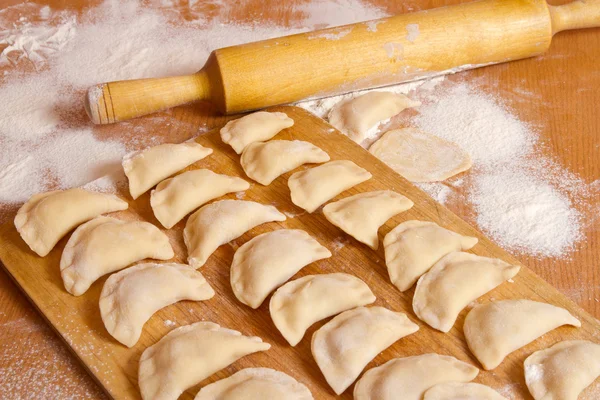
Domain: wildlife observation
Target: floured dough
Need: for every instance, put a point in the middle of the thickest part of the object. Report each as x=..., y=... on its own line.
x=255, y=127
x=104, y=245
x=188, y=355
x=46, y=217
x=146, y=168
x=315, y=186
x=298, y=304
x=176, y=197
x=411, y=377
x=346, y=344
x=562, y=371
x=419, y=156
x=455, y=281
x=494, y=330
x=265, y=161
x=414, y=246
x=220, y=222
x=462, y=391
x=355, y=117
x=267, y=261
x=256, y=384
x=361, y=215
x=130, y=297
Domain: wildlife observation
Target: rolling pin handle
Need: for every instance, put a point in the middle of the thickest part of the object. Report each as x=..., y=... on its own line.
x=576, y=15
x=118, y=101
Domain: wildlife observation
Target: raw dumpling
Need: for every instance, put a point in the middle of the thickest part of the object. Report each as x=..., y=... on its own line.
x=411, y=376
x=563, y=371
x=104, y=245
x=355, y=117
x=267, y=261
x=130, y=297
x=494, y=330
x=146, y=168
x=313, y=187
x=298, y=304
x=264, y=162
x=188, y=355
x=47, y=217
x=361, y=215
x=462, y=391
x=419, y=156
x=220, y=222
x=176, y=197
x=413, y=247
x=255, y=127
x=346, y=344
x=255, y=384
x=454, y=282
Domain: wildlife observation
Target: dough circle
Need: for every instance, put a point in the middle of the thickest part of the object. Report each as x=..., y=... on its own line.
x=419, y=156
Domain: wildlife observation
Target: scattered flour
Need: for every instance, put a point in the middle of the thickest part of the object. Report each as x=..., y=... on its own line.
x=438, y=191
x=169, y=323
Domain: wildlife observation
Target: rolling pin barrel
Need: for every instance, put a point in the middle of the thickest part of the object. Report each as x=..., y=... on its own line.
x=364, y=55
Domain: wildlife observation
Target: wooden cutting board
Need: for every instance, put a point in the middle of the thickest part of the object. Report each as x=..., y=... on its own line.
x=77, y=319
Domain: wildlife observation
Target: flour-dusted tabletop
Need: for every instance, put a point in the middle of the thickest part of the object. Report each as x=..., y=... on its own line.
x=51, y=51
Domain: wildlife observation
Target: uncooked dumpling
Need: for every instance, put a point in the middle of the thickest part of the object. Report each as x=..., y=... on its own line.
x=265, y=161
x=46, y=217
x=256, y=384
x=413, y=247
x=494, y=330
x=462, y=391
x=176, y=197
x=255, y=127
x=130, y=297
x=104, y=245
x=346, y=344
x=146, y=168
x=455, y=281
x=188, y=355
x=220, y=222
x=563, y=371
x=419, y=156
x=313, y=187
x=361, y=215
x=355, y=117
x=298, y=304
x=267, y=261
x=411, y=377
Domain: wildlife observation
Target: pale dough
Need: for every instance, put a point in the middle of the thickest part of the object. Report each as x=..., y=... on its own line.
x=255, y=127
x=298, y=304
x=176, y=197
x=256, y=384
x=46, y=217
x=265, y=161
x=356, y=116
x=494, y=330
x=267, y=261
x=104, y=245
x=419, y=156
x=462, y=391
x=562, y=371
x=146, y=168
x=455, y=281
x=411, y=376
x=130, y=297
x=414, y=246
x=187, y=355
x=346, y=344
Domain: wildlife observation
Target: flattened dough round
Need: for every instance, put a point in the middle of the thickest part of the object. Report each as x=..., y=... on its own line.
x=419, y=156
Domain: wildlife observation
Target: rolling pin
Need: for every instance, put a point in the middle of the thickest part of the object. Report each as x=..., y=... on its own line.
x=343, y=59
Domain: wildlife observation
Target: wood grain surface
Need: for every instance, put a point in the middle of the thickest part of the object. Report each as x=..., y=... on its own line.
x=556, y=93
x=115, y=367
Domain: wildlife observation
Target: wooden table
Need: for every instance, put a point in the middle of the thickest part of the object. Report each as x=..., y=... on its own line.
x=557, y=92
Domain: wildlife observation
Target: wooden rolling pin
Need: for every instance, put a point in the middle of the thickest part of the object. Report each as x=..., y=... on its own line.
x=347, y=58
